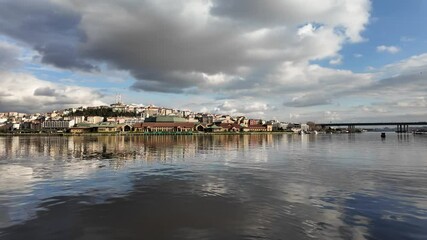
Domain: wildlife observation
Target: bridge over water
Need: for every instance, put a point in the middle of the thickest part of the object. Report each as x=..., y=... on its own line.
x=400, y=126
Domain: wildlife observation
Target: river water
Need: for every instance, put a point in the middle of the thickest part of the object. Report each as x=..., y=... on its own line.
x=347, y=186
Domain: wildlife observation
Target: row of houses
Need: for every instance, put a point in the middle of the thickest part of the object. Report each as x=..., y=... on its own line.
x=148, y=127
x=151, y=119
x=152, y=124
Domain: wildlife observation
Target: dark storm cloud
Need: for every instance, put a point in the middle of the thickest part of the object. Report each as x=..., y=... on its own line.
x=171, y=46
x=8, y=56
x=45, y=91
x=50, y=29
x=253, y=11
x=309, y=101
x=64, y=56
x=171, y=82
x=168, y=45
x=392, y=87
x=164, y=51
x=411, y=81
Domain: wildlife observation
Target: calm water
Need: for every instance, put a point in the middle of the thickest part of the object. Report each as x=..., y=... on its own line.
x=214, y=187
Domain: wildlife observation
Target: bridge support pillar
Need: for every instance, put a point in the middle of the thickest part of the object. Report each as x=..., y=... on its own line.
x=351, y=128
x=402, y=128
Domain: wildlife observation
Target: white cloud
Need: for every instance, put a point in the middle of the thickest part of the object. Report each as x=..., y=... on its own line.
x=247, y=108
x=407, y=39
x=332, y=116
x=388, y=49
x=336, y=61
x=306, y=30
x=413, y=65
x=186, y=46
x=25, y=93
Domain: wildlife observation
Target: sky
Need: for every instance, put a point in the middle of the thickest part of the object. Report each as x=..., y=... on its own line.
x=290, y=60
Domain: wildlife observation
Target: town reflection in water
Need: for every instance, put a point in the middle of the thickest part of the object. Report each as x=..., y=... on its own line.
x=147, y=148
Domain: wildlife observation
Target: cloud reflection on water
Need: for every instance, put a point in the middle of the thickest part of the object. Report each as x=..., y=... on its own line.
x=248, y=186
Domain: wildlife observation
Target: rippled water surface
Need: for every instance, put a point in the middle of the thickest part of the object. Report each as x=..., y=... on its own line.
x=214, y=187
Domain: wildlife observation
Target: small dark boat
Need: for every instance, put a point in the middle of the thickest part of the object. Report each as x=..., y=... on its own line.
x=382, y=135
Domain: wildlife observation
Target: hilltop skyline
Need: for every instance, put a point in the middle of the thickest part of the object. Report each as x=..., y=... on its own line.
x=346, y=60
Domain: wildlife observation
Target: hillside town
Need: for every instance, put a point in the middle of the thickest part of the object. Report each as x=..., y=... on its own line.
x=121, y=118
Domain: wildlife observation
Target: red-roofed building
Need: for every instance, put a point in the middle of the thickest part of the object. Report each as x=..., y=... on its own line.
x=254, y=122
x=231, y=127
x=258, y=128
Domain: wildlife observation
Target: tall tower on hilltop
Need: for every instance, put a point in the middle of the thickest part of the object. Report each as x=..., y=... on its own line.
x=118, y=106
x=119, y=99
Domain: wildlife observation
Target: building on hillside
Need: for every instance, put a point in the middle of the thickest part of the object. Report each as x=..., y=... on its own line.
x=183, y=113
x=224, y=119
x=242, y=120
x=53, y=114
x=191, y=119
x=130, y=108
x=207, y=119
x=118, y=107
x=13, y=114
x=94, y=119
x=78, y=119
x=166, y=111
x=151, y=111
x=254, y=122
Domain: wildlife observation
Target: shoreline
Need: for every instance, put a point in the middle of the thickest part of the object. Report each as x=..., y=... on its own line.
x=142, y=134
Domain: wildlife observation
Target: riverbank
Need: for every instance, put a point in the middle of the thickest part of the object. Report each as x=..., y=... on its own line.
x=144, y=133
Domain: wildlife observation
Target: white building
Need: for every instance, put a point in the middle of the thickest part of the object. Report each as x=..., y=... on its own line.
x=58, y=124
x=305, y=127
x=95, y=119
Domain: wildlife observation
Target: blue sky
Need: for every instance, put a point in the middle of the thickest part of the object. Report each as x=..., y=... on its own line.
x=393, y=23
x=345, y=60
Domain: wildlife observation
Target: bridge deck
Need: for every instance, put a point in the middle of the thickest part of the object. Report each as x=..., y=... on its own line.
x=373, y=124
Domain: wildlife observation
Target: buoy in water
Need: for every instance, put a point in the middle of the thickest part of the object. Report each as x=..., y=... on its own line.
x=382, y=135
